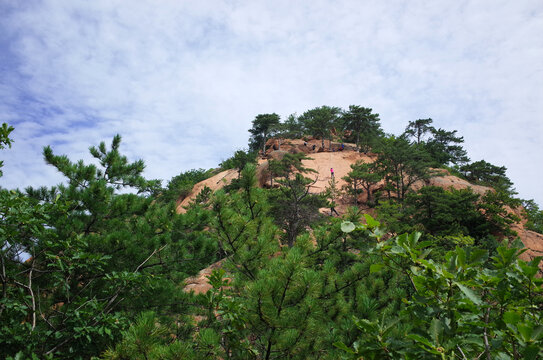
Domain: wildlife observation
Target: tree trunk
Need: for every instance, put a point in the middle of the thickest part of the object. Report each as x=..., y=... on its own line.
x=291, y=235
x=357, y=140
x=355, y=194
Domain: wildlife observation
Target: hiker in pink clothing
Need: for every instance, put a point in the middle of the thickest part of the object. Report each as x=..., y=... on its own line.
x=332, y=172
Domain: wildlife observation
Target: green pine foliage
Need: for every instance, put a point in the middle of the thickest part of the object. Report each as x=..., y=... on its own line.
x=363, y=127
x=81, y=260
x=403, y=164
x=293, y=206
x=264, y=125
x=484, y=173
x=362, y=177
x=320, y=121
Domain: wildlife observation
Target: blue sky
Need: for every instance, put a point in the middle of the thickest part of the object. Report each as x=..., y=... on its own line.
x=181, y=81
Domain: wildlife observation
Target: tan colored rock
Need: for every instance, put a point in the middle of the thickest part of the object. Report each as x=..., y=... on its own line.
x=215, y=183
x=277, y=155
x=532, y=241
x=450, y=181
x=200, y=283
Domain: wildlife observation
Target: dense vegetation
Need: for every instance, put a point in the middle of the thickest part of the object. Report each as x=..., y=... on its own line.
x=95, y=267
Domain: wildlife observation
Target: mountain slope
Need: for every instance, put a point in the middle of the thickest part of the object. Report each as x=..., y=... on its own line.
x=340, y=161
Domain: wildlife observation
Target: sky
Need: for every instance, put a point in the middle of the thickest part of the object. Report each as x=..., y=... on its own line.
x=181, y=81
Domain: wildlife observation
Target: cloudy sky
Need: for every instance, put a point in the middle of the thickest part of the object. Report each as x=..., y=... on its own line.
x=181, y=81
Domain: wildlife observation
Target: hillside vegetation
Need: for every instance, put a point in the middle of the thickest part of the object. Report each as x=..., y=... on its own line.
x=325, y=239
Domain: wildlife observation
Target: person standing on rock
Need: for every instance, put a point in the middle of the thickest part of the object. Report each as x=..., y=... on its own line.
x=332, y=173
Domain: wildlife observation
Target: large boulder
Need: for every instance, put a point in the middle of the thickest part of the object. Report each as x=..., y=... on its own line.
x=277, y=155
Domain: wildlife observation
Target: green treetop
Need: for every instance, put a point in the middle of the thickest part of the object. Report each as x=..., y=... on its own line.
x=444, y=147
x=363, y=124
x=403, y=164
x=263, y=126
x=363, y=176
x=418, y=128
x=320, y=121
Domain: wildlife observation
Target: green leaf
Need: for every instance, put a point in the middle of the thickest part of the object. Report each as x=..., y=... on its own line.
x=461, y=257
x=343, y=347
x=370, y=221
x=421, y=340
x=469, y=293
x=527, y=270
x=511, y=317
x=366, y=325
x=436, y=329
x=538, y=332
x=414, y=238
x=525, y=331
x=376, y=268
x=347, y=227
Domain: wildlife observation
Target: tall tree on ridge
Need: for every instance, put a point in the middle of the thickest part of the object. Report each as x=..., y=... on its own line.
x=320, y=120
x=363, y=124
x=263, y=126
x=418, y=128
x=444, y=147
x=363, y=175
x=403, y=164
x=291, y=127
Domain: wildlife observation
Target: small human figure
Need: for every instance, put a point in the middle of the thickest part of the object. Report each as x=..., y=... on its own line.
x=342, y=146
x=314, y=146
x=332, y=172
x=305, y=143
x=333, y=210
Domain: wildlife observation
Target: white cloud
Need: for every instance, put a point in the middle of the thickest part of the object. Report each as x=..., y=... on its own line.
x=181, y=81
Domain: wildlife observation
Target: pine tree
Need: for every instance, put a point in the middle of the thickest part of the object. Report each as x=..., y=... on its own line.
x=418, y=128
x=320, y=121
x=263, y=126
x=363, y=124
x=403, y=165
x=293, y=206
x=444, y=147
x=96, y=257
x=362, y=176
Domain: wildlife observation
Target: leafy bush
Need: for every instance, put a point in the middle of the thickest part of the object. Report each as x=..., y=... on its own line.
x=464, y=307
